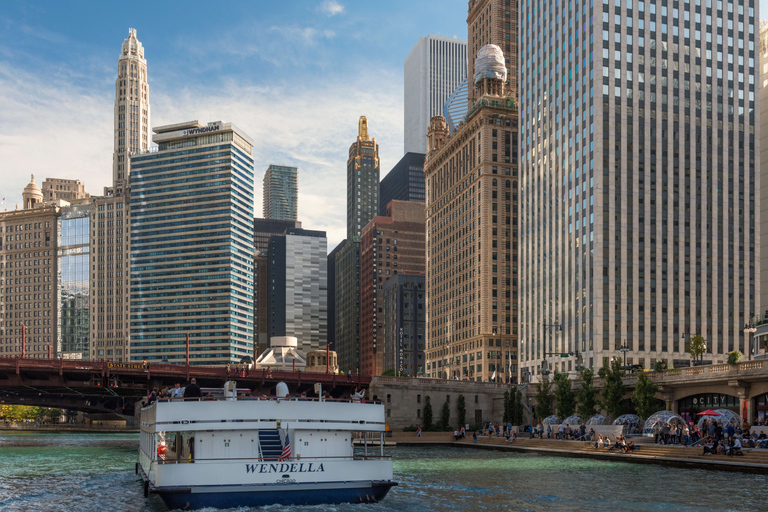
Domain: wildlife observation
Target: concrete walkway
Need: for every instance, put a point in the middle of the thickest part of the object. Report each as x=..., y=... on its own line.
x=754, y=460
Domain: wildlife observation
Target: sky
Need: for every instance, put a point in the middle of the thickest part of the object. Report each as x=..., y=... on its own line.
x=295, y=76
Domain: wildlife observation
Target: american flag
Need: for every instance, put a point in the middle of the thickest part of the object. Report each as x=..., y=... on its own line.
x=286, y=450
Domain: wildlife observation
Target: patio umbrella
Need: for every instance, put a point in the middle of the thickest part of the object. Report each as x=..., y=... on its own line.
x=708, y=412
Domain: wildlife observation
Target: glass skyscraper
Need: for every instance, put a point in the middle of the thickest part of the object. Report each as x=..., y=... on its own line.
x=281, y=193
x=73, y=282
x=637, y=170
x=192, y=245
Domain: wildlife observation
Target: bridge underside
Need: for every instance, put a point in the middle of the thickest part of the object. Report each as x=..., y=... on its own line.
x=98, y=386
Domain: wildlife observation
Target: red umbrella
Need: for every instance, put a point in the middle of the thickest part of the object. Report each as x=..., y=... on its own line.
x=708, y=412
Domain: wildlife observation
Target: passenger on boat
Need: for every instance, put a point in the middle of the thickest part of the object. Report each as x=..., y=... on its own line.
x=192, y=390
x=177, y=391
x=358, y=395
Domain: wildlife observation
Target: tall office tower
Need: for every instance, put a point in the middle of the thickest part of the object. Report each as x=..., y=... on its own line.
x=298, y=287
x=403, y=334
x=347, y=304
x=281, y=192
x=405, y=182
x=493, y=22
x=29, y=263
x=759, y=341
x=331, y=266
x=472, y=234
x=456, y=106
x=192, y=245
x=110, y=279
x=433, y=69
x=389, y=245
x=73, y=300
x=131, y=109
x=263, y=230
x=68, y=190
x=362, y=180
x=638, y=180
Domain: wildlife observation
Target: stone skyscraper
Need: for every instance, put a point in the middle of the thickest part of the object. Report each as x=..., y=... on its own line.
x=638, y=180
x=433, y=69
x=131, y=108
x=493, y=22
x=362, y=181
x=281, y=193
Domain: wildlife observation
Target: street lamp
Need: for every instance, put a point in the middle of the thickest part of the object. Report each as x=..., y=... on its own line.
x=750, y=329
x=624, y=349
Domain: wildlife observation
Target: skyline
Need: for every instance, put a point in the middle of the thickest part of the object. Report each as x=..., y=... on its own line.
x=295, y=80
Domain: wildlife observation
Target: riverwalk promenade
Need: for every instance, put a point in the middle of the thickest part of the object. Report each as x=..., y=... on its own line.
x=754, y=460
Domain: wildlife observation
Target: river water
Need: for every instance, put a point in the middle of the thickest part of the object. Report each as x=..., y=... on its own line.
x=95, y=472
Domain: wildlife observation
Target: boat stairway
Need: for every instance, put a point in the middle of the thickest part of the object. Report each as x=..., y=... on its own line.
x=271, y=446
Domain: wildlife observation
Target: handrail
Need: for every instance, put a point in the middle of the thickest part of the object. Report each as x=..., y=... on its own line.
x=269, y=461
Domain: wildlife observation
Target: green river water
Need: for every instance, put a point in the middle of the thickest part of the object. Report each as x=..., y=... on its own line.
x=95, y=472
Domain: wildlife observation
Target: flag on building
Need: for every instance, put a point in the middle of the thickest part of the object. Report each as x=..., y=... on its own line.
x=286, y=450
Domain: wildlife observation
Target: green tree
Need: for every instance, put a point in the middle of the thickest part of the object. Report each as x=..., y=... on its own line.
x=644, y=396
x=427, y=413
x=518, y=416
x=587, y=396
x=507, y=404
x=696, y=346
x=613, y=390
x=462, y=407
x=544, y=398
x=445, y=416
x=388, y=373
x=566, y=400
x=734, y=356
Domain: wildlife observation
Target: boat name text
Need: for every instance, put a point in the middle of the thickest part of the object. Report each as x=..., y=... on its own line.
x=294, y=467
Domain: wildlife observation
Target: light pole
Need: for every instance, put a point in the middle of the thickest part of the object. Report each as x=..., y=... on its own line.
x=624, y=349
x=750, y=329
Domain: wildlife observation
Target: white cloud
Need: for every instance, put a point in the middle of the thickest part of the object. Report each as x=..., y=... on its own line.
x=331, y=7
x=51, y=129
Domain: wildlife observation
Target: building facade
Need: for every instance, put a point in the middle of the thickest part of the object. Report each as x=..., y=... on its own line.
x=389, y=246
x=347, y=304
x=110, y=278
x=73, y=298
x=472, y=236
x=362, y=181
x=28, y=281
x=68, y=190
x=433, y=69
x=638, y=162
x=763, y=171
x=192, y=245
x=405, y=182
x=281, y=193
x=131, y=123
x=493, y=22
x=403, y=333
x=298, y=287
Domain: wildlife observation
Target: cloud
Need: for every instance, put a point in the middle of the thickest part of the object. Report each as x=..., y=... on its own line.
x=52, y=129
x=331, y=8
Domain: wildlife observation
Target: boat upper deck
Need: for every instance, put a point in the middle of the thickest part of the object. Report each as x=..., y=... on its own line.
x=257, y=413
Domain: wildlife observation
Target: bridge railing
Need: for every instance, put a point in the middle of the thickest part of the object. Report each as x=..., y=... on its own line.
x=699, y=372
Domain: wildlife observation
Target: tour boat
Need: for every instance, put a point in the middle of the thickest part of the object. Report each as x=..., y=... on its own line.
x=231, y=451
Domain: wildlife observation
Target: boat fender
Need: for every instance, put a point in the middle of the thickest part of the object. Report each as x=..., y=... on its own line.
x=187, y=506
x=137, y=468
x=146, y=488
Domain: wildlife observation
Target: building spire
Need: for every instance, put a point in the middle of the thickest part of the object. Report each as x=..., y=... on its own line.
x=362, y=128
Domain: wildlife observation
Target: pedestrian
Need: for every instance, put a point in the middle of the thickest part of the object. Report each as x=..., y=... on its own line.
x=193, y=390
x=418, y=431
x=474, y=436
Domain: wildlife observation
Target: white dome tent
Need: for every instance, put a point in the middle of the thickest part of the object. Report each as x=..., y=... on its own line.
x=631, y=422
x=726, y=416
x=572, y=420
x=551, y=420
x=659, y=420
x=597, y=419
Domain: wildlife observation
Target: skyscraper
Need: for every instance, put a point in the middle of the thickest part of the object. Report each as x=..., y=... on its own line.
x=638, y=161
x=131, y=122
x=298, y=287
x=493, y=22
x=281, y=191
x=433, y=69
x=192, y=245
x=763, y=172
x=405, y=182
x=362, y=181
x=346, y=304
x=389, y=245
x=472, y=271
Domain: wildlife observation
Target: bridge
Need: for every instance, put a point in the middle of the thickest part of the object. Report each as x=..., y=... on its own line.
x=103, y=386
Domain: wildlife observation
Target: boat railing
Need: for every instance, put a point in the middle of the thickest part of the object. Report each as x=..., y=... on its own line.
x=266, y=399
x=162, y=459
